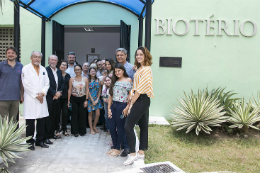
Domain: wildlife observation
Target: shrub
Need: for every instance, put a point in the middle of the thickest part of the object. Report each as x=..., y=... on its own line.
x=198, y=112
x=11, y=141
x=224, y=98
x=244, y=115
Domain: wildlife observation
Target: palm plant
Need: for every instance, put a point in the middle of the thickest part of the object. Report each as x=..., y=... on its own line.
x=244, y=115
x=11, y=141
x=198, y=112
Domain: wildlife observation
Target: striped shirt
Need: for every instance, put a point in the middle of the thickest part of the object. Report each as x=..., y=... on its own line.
x=143, y=81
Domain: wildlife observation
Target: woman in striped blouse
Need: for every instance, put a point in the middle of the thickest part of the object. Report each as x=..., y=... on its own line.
x=139, y=106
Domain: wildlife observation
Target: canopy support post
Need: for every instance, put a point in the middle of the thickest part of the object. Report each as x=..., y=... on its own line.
x=148, y=5
x=17, y=28
x=43, y=41
x=140, y=35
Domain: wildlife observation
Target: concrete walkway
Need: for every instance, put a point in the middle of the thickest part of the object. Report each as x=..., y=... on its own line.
x=70, y=154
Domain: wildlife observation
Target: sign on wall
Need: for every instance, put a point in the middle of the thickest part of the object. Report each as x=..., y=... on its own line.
x=211, y=30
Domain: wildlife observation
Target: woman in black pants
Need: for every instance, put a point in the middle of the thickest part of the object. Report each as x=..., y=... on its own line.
x=78, y=95
x=64, y=97
x=139, y=106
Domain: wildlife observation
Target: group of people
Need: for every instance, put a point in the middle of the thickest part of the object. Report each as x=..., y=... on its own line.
x=66, y=89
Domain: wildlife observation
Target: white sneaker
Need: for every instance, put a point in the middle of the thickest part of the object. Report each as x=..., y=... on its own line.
x=130, y=160
x=140, y=156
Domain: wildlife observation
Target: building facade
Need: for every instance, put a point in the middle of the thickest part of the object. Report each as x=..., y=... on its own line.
x=217, y=41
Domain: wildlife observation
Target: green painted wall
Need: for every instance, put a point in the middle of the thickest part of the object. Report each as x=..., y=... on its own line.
x=208, y=61
x=30, y=29
x=94, y=14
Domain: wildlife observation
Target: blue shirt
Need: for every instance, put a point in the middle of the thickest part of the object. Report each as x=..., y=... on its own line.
x=129, y=70
x=10, y=81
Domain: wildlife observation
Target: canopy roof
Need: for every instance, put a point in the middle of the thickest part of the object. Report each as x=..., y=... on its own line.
x=48, y=8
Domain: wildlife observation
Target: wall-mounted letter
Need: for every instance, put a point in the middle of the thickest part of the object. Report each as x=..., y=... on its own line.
x=242, y=29
x=222, y=28
x=186, y=26
x=196, y=25
x=158, y=26
x=208, y=25
x=236, y=27
x=169, y=27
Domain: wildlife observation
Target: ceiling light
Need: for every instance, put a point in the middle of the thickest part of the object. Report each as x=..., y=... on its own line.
x=88, y=29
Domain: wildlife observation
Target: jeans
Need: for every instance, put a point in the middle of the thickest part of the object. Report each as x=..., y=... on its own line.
x=125, y=142
x=116, y=124
x=138, y=115
x=106, y=115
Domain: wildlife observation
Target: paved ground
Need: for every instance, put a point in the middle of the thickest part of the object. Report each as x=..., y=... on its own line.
x=70, y=154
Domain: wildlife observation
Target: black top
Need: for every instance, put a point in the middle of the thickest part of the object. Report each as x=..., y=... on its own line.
x=66, y=87
x=52, y=90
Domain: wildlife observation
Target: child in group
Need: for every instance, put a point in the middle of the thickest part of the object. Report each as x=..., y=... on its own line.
x=103, y=77
x=105, y=95
x=94, y=104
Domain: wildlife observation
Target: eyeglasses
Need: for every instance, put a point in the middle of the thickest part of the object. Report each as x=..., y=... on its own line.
x=77, y=70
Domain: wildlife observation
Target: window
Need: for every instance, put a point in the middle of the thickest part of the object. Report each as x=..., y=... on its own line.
x=6, y=40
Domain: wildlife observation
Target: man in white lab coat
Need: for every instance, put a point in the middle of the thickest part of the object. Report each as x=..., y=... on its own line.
x=36, y=84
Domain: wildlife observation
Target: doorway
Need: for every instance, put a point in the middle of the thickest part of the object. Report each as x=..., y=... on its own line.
x=90, y=41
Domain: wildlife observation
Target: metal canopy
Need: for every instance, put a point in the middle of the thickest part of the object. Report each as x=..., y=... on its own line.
x=48, y=8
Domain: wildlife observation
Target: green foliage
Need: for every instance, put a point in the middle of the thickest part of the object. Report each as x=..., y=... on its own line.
x=4, y=170
x=224, y=98
x=256, y=100
x=244, y=115
x=198, y=112
x=11, y=141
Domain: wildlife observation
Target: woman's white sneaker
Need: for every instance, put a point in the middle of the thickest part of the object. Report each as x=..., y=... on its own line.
x=130, y=160
x=140, y=156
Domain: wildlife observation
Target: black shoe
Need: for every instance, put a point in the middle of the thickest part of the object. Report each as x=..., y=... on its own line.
x=31, y=147
x=41, y=144
x=125, y=153
x=55, y=137
x=47, y=141
x=82, y=134
x=76, y=135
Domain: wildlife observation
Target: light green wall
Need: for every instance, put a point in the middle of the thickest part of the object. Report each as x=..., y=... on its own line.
x=30, y=29
x=94, y=14
x=207, y=61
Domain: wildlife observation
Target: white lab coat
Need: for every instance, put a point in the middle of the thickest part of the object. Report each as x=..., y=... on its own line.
x=34, y=84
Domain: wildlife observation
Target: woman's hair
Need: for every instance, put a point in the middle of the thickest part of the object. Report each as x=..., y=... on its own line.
x=147, y=57
x=89, y=76
x=59, y=64
x=115, y=78
x=78, y=65
x=112, y=63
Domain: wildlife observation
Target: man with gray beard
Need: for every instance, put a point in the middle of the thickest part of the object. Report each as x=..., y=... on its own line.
x=53, y=100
